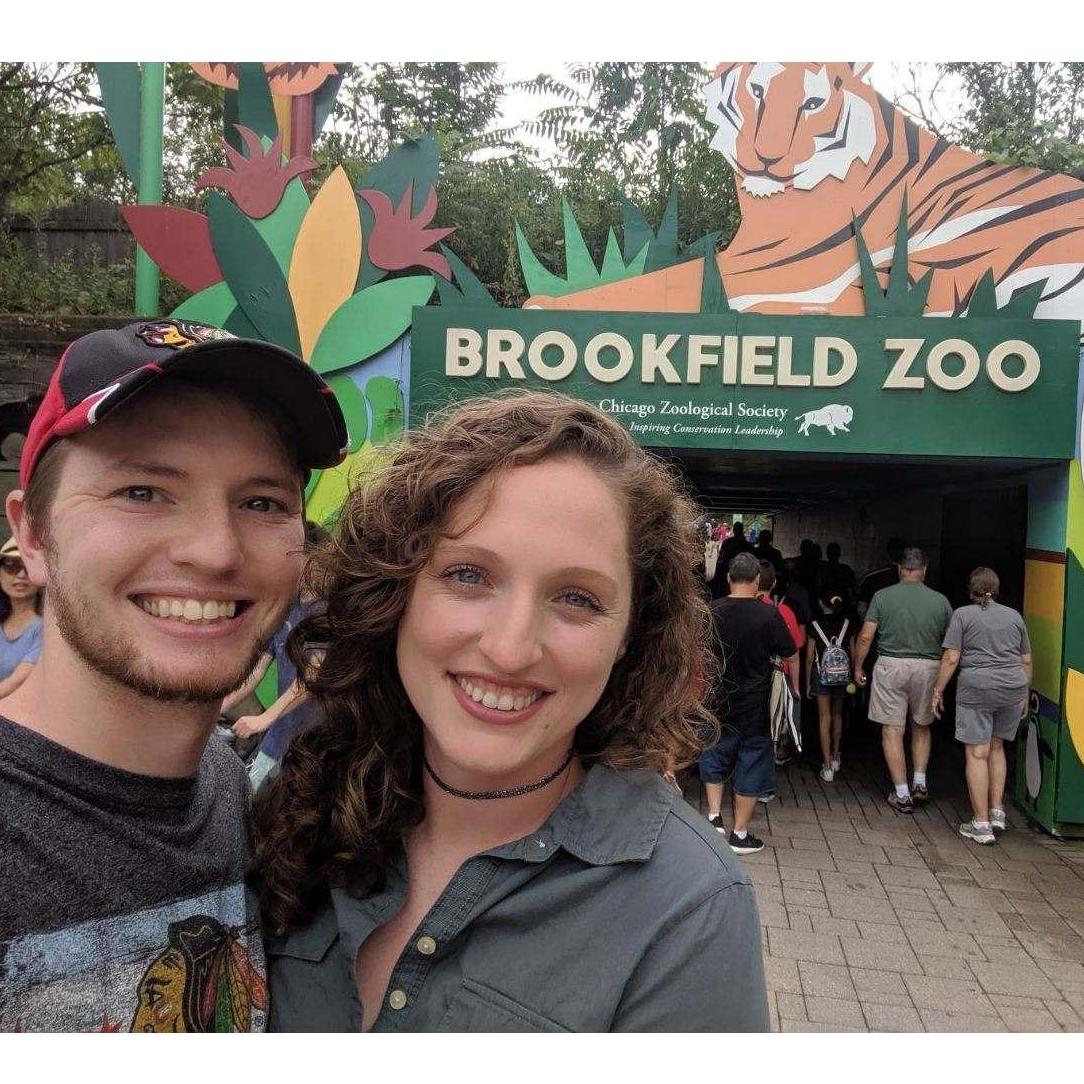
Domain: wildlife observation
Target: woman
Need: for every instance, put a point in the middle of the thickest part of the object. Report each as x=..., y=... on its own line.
x=478, y=836
x=20, y=618
x=989, y=642
x=828, y=672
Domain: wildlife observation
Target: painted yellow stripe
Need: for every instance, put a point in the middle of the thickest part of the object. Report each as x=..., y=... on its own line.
x=1045, y=639
x=1044, y=590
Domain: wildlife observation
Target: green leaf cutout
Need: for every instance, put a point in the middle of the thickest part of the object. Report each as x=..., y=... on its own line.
x=664, y=245
x=240, y=325
x=369, y=321
x=899, y=298
x=352, y=403
x=253, y=273
x=1021, y=305
x=386, y=402
x=471, y=291
x=413, y=160
x=212, y=306
x=713, y=297
x=122, y=90
x=254, y=106
x=231, y=117
x=279, y=229
x=580, y=270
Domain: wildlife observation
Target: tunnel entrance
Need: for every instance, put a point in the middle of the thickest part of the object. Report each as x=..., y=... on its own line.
x=962, y=512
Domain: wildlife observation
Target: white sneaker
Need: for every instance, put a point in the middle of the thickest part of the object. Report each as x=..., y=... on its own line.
x=997, y=820
x=835, y=764
x=828, y=774
x=969, y=830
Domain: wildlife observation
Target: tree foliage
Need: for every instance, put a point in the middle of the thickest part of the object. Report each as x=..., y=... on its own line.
x=1028, y=113
x=633, y=129
x=51, y=135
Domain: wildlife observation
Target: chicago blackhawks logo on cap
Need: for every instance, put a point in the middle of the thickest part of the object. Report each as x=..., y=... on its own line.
x=179, y=333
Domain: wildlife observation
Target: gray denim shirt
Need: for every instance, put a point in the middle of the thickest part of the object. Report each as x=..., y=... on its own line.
x=625, y=911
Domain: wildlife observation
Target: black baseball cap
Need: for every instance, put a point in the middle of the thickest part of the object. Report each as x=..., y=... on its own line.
x=104, y=369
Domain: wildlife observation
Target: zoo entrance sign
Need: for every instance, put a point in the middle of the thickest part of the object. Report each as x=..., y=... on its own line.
x=873, y=385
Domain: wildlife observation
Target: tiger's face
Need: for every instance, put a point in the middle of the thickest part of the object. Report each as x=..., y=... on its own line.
x=790, y=125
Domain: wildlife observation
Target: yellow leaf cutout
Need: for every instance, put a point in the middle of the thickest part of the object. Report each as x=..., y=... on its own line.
x=327, y=254
x=1074, y=710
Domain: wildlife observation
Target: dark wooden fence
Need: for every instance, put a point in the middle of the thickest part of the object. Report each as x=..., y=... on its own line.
x=82, y=232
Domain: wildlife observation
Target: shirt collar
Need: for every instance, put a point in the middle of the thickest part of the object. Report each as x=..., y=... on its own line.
x=612, y=816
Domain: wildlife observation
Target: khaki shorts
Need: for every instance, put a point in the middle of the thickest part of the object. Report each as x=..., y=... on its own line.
x=901, y=687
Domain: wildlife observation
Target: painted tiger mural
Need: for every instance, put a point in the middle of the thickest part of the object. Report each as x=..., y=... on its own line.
x=815, y=148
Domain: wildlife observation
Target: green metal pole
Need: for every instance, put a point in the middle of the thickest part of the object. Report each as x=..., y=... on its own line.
x=152, y=108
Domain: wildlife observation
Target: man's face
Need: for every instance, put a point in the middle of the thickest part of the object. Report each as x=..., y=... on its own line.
x=173, y=546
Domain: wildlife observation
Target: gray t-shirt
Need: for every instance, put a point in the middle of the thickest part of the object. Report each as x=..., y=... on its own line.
x=625, y=911
x=990, y=642
x=122, y=897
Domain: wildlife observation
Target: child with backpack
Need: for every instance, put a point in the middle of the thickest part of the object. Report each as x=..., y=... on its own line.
x=828, y=672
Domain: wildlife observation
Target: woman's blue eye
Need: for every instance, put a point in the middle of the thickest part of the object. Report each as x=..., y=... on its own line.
x=580, y=601
x=466, y=575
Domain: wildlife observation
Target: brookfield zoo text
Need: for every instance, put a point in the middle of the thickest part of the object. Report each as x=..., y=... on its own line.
x=733, y=360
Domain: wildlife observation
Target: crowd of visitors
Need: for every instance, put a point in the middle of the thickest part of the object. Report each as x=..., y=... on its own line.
x=881, y=649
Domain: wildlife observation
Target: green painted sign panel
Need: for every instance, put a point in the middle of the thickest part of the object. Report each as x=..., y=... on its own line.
x=873, y=385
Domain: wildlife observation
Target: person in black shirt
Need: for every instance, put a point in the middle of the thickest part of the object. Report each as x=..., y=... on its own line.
x=748, y=635
x=765, y=551
x=838, y=577
x=735, y=544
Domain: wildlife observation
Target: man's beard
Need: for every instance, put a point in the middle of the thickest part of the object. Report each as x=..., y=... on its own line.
x=120, y=660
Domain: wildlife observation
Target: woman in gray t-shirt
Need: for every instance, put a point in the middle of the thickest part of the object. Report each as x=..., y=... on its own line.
x=989, y=642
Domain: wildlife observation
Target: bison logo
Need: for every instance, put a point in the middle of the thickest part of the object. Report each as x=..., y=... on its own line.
x=835, y=416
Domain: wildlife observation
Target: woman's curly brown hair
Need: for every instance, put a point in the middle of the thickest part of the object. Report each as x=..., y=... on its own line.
x=350, y=788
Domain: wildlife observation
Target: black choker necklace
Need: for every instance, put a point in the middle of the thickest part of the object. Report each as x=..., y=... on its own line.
x=489, y=795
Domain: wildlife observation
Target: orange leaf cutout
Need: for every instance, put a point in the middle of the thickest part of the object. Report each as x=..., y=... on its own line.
x=327, y=254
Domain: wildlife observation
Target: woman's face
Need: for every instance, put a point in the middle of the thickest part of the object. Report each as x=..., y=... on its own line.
x=512, y=629
x=14, y=581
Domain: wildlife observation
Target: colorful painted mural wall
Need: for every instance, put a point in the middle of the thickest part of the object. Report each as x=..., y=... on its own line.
x=848, y=208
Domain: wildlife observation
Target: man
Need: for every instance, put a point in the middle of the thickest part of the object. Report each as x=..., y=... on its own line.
x=161, y=509
x=747, y=635
x=885, y=576
x=765, y=551
x=735, y=544
x=909, y=620
x=836, y=576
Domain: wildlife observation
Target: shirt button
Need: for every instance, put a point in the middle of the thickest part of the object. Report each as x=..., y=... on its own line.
x=426, y=946
x=397, y=999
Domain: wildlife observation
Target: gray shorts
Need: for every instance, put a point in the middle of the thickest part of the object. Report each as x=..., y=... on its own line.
x=901, y=687
x=976, y=725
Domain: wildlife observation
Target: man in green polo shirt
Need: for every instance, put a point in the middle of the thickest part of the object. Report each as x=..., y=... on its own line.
x=910, y=621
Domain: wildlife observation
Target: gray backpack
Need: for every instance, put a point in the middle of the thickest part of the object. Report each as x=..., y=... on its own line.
x=833, y=663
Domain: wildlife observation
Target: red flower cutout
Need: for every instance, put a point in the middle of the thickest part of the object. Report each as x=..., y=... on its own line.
x=257, y=181
x=398, y=241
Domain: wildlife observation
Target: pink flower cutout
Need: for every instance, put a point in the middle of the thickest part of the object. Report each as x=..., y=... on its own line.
x=397, y=240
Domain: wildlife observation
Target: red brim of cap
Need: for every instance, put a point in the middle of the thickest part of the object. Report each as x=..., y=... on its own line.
x=261, y=369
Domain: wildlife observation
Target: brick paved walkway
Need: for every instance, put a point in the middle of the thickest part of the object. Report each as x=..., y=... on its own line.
x=873, y=921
